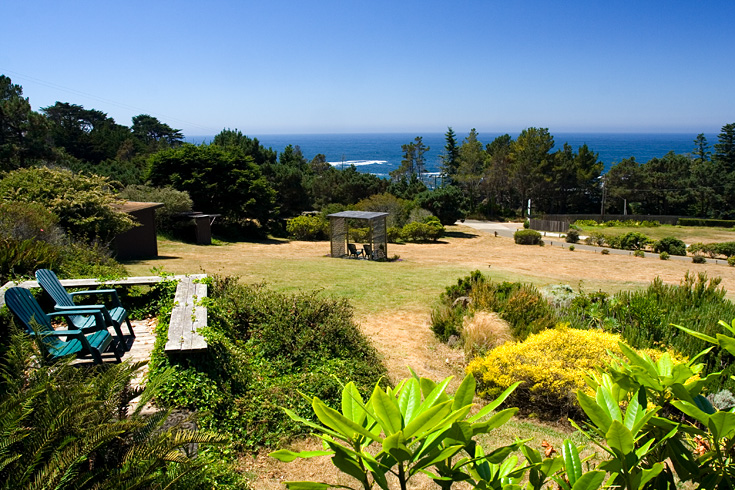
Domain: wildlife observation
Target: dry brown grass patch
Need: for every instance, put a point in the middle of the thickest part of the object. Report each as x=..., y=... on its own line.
x=482, y=332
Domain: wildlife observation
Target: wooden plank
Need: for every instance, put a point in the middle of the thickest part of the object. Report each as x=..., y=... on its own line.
x=200, y=318
x=179, y=316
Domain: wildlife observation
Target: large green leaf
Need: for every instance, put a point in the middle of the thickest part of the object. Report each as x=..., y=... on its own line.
x=287, y=456
x=635, y=411
x=311, y=424
x=619, y=437
x=692, y=411
x=349, y=465
x=409, y=400
x=650, y=473
x=465, y=393
x=609, y=403
x=595, y=412
x=436, y=395
x=386, y=411
x=696, y=334
x=590, y=481
x=494, y=422
x=495, y=403
x=460, y=432
x=395, y=445
x=428, y=419
x=572, y=463
x=727, y=343
x=722, y=424
x=332, y=418
x=352, y=404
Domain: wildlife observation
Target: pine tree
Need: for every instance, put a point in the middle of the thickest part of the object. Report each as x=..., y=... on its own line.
x=450, y=156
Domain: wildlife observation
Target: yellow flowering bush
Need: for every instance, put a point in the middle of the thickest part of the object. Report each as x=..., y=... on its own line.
x=551, y=364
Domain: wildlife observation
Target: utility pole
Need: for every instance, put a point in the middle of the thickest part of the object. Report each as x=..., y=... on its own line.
x=602, y=207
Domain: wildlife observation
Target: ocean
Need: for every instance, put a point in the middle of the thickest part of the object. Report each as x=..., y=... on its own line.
x=379, y=153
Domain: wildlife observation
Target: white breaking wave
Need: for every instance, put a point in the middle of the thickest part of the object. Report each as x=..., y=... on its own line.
x=358, y=163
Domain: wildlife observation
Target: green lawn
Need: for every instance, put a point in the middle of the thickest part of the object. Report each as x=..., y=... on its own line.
x=371, y=287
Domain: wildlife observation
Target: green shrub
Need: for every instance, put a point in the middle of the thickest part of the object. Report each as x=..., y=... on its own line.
x=447, y=203
x=398, y=209
x=446, y=321
x=19, y=258
x=585, y=222
x=394, y=234
x=429, y=230
x=699, y=259
x=633, y=240
x=596, y=239
x=650, y=224
x=670, y=245
x=526, y=224
x=527, y=237
x=725, y=223
x=663, y=256
x=644, y=318
x=359, y=235
x=639, y=253
x=725, y=248
x=83, y=204
x=550, y=365
x=731, y=261
x=308, y=228
x=572, y=236
x=174, y=202
x=31, y=240
x=605, y=251
x=26, y=221
x=265, y=350
x=571, y=248
x=521, y=305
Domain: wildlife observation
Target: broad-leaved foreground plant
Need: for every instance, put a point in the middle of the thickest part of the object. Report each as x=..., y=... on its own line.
x=418, y=427
x=650, y=418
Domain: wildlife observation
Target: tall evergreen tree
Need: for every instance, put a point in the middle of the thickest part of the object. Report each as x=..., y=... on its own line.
x=530, y=156
x=450, y=156
x=471, y=165
x=725, y=148
x=701, y=148
x=23, y=133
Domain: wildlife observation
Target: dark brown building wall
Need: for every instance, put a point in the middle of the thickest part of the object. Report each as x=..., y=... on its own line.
x=140, y=242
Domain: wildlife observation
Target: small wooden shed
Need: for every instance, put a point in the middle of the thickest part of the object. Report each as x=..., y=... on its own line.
x=139, y=242
x=339, y=230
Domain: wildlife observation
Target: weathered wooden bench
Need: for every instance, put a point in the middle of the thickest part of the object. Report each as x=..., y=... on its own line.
x=187, y=316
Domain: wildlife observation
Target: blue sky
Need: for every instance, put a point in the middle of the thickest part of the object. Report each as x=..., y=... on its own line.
x=381, y=66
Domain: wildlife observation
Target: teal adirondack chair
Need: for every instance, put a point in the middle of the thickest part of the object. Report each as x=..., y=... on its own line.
x=65, y=301
x=28, y=312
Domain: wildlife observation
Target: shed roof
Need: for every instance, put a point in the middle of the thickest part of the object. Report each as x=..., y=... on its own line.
x=357, y=214
x=132, y=206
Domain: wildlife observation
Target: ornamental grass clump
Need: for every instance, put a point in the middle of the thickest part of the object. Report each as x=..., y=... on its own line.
x=551, y=366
